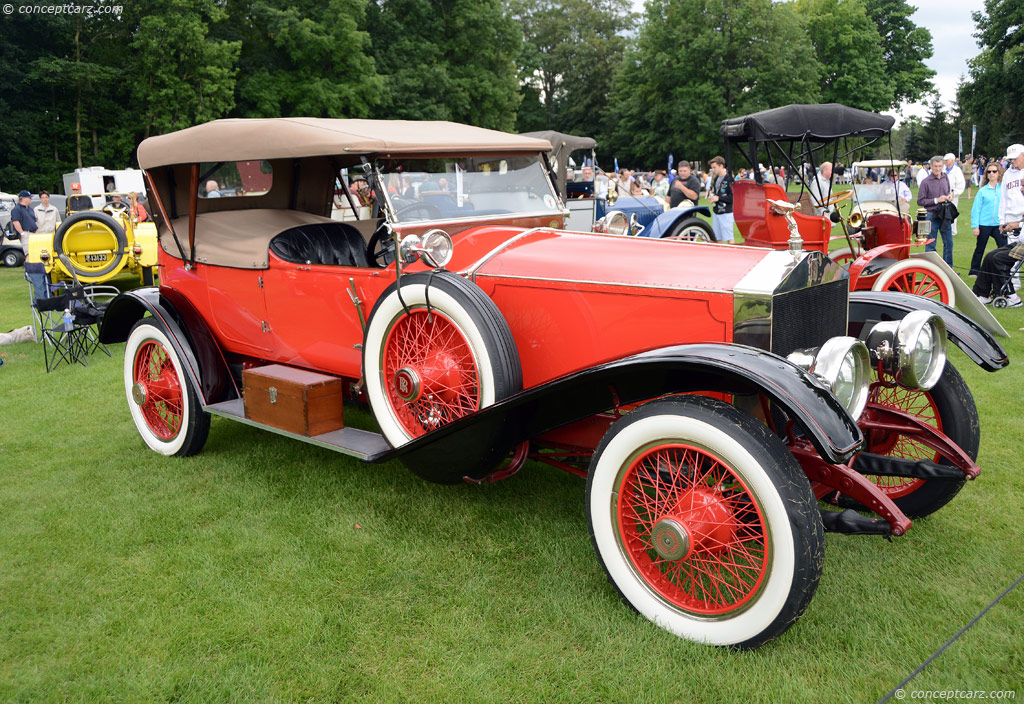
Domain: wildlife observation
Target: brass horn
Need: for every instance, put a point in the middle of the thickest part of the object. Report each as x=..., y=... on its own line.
x=856, y=220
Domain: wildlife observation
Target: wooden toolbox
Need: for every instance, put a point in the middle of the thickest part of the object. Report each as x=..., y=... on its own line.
x=292, y=399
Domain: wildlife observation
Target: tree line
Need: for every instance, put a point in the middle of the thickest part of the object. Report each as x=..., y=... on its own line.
x=83, y=89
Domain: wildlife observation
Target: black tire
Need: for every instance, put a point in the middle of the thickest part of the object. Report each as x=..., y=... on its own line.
x=957, y=418
x=13, y=257
x=691, y=229
x=481, y=367
x=688, y=492
x=106, y=221
x=164, y=431
x=148, y=275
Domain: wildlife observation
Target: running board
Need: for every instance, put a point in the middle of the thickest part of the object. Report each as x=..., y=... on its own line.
x=361, y=444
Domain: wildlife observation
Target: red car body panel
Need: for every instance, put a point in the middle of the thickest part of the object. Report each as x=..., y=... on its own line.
x=564, y=318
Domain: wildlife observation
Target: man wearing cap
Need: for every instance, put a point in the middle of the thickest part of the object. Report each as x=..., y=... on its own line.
x=957, y=183
x=23, y=218
x=76, y=201
x=47, y=217
x=995, y=267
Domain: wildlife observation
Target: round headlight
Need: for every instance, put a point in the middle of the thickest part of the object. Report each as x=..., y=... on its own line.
x=434, y=248
x=844, y=364
x=617, y=223
x=921, y=341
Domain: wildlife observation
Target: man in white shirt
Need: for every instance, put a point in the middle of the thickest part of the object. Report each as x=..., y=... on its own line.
x=821, y=187
x=957, y=184
x=47, y=216
x=922, y=173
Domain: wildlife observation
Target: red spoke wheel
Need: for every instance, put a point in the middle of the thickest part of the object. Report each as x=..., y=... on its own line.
x=692, y=528
x=433, y=373
x=166, y=409
x=948, y=407
x=435, y=354
x=844, y=255
x=917, y=277
x=704, y=522
x=158, y=391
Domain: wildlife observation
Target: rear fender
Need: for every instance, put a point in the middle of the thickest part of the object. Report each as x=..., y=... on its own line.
x=699, y=367
x=187, y=331
x=969, y=336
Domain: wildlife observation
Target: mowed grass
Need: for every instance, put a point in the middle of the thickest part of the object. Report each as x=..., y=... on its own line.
x=268, y=570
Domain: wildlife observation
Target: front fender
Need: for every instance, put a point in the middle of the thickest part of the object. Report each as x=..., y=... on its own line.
x=975, y=341
x=698, y=367
x=667, y=220
x=189, y=334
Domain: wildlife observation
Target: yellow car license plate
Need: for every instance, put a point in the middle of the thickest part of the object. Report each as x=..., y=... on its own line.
x=95, y=257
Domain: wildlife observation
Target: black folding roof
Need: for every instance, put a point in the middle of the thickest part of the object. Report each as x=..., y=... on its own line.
x=797, y=122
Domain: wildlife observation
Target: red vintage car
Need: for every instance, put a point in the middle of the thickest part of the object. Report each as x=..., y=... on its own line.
x=878, y=233
x=710, y=395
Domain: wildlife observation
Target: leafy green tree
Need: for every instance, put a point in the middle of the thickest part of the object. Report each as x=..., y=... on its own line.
x=938, y=133
x=303, y=58
x=570, y=51
x=850, y=51
x=683, y=77
x=182, y=76
x=446, y=60
x=913, y=148
x=993, y=98
x=905, y=46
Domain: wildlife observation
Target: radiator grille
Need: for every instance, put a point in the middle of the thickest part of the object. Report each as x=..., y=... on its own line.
x=810, y=316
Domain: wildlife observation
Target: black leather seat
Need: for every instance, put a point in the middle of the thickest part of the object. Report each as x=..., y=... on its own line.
x=332, y=244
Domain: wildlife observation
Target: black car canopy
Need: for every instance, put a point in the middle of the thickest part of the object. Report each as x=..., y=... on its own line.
x=806, y=122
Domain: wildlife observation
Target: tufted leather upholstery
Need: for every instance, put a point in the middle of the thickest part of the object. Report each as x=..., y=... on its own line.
x=333, y=244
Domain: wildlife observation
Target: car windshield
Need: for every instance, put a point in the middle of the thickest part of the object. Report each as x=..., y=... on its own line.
x=885, y=192
x=450, y=188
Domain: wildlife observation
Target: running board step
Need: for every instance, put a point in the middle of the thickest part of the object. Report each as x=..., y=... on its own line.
x=849, y=522
x=362, y=444
x=886, y=466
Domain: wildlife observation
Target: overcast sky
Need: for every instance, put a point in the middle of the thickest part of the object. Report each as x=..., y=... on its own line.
x=952, y=28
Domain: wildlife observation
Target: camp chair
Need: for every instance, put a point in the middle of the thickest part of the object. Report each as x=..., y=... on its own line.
x=63, y=340
x=88, y=304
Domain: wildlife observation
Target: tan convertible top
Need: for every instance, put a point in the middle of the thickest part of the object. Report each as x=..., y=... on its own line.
x=292, y=137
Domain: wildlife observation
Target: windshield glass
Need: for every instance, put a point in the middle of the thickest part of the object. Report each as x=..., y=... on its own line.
x=877, y=191
x=451, y=188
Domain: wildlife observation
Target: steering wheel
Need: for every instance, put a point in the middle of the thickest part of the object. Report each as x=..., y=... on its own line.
x=837, y=198
x=380, y=250
x=431, y=211
x=118, y=208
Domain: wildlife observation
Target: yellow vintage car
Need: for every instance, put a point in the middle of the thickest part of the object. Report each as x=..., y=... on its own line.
x=99, y=244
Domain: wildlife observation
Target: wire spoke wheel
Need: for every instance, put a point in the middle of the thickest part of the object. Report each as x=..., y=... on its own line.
x=704, y=522
x=912, y=402
x=431, y=373
x=163, y=404
x=693, y=529
x=949, y=408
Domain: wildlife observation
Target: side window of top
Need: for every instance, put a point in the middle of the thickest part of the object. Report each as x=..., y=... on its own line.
x=235, y=178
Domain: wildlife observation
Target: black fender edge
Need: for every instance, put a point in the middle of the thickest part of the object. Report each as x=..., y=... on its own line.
x=188, y=332
x=976, y=342
x=727, y=368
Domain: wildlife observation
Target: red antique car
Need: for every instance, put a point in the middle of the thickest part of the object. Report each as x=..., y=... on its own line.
x=877, y=230
x=709, y=395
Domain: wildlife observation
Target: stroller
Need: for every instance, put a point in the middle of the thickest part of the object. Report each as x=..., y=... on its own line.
x=1011, y=282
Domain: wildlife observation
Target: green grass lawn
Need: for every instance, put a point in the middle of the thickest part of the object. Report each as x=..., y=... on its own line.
x=268, y=570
